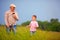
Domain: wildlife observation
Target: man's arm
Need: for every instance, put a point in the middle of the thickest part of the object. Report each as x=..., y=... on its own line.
x=6, y=19
x=16, y=16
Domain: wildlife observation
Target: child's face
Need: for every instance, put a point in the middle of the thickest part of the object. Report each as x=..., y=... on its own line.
x=33, y=18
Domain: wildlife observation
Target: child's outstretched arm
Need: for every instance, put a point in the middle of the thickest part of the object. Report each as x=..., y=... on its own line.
x=28, y=25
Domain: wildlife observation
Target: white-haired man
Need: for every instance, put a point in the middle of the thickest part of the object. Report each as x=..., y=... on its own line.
x=10, y=18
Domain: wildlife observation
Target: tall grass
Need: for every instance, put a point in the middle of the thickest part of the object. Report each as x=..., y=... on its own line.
x=23, y=33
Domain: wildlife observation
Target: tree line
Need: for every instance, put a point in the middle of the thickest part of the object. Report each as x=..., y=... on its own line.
x=53, y=25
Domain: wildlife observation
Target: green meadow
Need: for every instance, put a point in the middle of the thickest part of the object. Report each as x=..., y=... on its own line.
x=23, y=33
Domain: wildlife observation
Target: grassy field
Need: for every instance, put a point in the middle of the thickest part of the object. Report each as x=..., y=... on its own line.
x=24, y=34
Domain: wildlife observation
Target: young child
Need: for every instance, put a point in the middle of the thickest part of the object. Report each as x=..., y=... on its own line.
x=33, y=25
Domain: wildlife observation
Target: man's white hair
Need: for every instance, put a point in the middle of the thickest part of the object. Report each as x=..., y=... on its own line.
x=12, y=5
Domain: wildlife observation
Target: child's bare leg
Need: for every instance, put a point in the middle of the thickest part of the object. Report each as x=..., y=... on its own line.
x=32, y=32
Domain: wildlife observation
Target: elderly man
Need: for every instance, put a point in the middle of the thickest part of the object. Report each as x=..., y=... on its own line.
x=10, y=18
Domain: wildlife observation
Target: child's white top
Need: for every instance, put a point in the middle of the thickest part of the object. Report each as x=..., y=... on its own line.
x=33, y=25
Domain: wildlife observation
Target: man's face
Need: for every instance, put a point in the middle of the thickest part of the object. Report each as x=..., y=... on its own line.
x=12, y=8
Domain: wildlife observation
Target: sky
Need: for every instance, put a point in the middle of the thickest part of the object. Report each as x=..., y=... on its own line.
x=43, y=9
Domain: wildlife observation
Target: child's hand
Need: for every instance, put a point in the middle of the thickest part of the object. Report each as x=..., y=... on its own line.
x=27, y=26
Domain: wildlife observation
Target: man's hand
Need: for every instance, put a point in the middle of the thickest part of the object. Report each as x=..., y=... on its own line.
x=15, y=16
x=7, y=25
